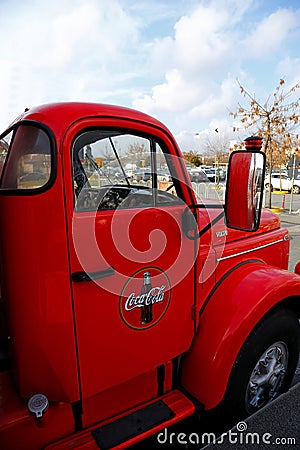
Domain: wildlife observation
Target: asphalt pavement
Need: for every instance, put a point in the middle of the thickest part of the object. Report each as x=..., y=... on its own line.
x=292, y=223
x=275, y=426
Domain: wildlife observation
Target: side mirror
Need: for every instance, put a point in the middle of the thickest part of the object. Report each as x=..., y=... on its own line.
x=244, y=190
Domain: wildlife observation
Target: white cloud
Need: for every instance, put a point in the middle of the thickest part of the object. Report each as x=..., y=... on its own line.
x=289, y=67
x=90, y=30
x=176, y=94
x=202, y=41
x=175, y=59
x=210, y=48
x=218, y=101
x=271, y=33
x=197, y=63
x=65, y=50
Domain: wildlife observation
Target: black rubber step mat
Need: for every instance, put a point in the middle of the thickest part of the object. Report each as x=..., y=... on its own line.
x=130, y=426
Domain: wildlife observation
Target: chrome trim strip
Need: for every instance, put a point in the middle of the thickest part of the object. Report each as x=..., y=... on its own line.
x=251, y=250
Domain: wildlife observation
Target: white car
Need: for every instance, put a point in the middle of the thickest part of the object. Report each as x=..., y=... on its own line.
x=282, y=182
x=214, y=174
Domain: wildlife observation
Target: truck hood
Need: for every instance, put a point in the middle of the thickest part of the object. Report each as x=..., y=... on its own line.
x=218, y=232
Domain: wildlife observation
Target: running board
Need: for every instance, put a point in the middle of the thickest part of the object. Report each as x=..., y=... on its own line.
x=136, y=425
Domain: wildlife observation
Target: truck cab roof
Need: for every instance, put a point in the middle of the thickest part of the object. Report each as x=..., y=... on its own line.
x=59, y=116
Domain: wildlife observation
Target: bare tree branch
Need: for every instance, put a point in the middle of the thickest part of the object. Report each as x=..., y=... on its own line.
x=276, y=121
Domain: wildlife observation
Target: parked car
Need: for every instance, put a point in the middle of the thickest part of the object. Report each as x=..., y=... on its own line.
x=199, y=177
x=215, y=175
x=33, y=180
x=282, y=181
x=141, y=176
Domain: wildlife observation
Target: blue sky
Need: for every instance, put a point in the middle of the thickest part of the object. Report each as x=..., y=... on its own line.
x=175, y=59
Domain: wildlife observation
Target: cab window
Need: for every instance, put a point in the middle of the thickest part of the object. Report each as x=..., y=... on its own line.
x=4, y=147
x=26, y=158
x=117, y=169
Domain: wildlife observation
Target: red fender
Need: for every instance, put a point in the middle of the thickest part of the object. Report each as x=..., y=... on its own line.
x=237, y=303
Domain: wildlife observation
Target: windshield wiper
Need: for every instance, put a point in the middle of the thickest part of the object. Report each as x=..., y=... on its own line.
x=118, y=159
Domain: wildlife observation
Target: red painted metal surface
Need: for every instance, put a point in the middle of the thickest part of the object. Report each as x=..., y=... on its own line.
x=156, y=231
x=120, y=398
x=85, y=342
x=36, y=286
x=230, y=315
x=177, y=402
x=238, y=206
x=19, y=429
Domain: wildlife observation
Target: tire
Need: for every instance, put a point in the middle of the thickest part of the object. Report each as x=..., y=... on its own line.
x=296, y=189
x=267, y=187
x=264, y=367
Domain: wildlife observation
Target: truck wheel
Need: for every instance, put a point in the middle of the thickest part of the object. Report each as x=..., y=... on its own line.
x=265, y=365
x=296, y=189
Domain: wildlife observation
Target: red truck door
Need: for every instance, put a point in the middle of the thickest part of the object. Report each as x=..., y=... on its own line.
x=132, y=267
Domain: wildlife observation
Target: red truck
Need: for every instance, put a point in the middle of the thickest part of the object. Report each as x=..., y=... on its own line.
x=127, y=303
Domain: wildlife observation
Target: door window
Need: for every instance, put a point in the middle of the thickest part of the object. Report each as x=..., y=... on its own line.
x=116, y=169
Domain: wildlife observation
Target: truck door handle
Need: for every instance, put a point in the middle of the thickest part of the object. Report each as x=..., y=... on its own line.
x=90, y=276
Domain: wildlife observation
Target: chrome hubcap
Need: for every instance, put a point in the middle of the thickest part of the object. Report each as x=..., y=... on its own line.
x=267, y=377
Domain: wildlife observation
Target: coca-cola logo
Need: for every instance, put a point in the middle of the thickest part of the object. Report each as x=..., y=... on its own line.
x=155, y=295
x=145, y=298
